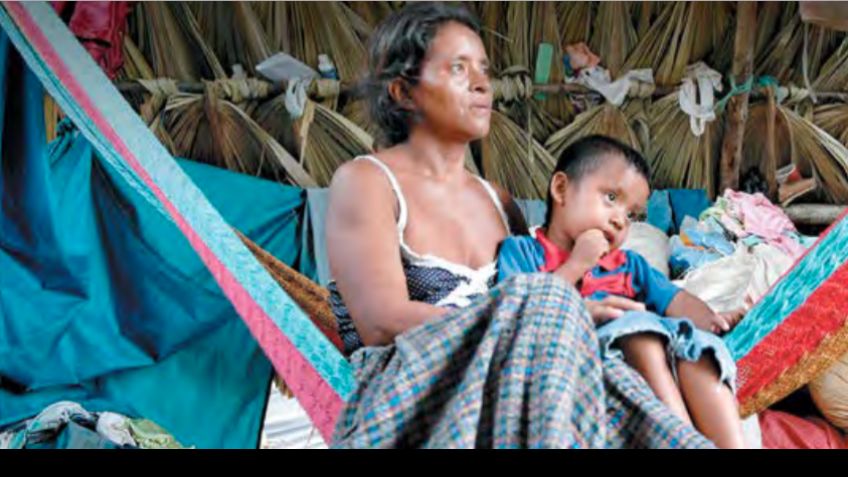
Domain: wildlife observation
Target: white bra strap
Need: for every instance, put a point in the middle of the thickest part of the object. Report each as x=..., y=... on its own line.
x=498, y=205
x=402, y=214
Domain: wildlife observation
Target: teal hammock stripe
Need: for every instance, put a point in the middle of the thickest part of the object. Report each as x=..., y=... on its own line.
x=813, y=269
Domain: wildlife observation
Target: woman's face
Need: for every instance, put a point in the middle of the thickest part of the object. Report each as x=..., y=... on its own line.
x=453, y=97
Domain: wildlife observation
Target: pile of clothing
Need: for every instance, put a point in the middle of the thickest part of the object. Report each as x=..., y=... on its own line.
x=67, y=425
x=728, y=253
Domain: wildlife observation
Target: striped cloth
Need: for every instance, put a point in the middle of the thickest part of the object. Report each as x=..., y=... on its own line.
x=519, y=368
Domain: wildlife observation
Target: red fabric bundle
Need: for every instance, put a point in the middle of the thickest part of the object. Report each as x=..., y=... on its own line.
x=100, y=27
x=782, y=430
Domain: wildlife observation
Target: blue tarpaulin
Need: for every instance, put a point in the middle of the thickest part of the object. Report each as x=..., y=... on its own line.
x=103, y=301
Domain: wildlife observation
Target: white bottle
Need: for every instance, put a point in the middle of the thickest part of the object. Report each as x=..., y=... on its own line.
x=327, y=68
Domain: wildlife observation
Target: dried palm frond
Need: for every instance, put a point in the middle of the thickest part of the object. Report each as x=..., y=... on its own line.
x=357, y=112
x=275, y=19
x=613, y=36
x=513, y=160
x=513, y=97
x=678, y=158
x=360, y=26
x=52, y=115
x=784, y=56
x=827, y=156
x=723, y=40
x=168, y=47
x=323, y=28
x=327, y=140
x=149, y=106
x=833, y=75
x=575, y=21
x=530, y=116
x=645, y=14
x=372, y=13
x=234, y=33
x=766, y=145
x=492, y=16
x=781, y=55
x=208, y=129
x=274, y=118
x=833, y=118
x=135, y=65
x=675, y=40
x=606, y=119
x=769, y=16
x=822, y=44
x=519, y=50
x=544, y=28
x=210, y=66
x=718, y=18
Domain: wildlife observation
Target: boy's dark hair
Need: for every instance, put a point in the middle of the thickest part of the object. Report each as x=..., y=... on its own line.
x=396, y=49
x=585, y=156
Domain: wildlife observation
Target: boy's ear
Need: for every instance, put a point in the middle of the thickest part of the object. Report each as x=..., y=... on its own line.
x=400, y=93
x=559, y=188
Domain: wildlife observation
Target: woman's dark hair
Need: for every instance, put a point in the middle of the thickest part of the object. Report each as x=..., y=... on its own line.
x=397, y=49
x=587, y=155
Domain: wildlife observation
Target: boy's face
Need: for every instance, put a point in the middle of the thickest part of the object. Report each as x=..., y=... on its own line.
x=606, y=199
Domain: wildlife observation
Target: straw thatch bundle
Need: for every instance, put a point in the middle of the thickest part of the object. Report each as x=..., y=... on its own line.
x=202, y=41
x=575, y=21
x=827, y=157
x=512, y=159
x=833, y=75
x=605, y=119
x=678, y=158
x=672, y=44
x=785, y=54
x=614, y=35
x=328, y=139
x=234, y=32
x=833, y=118
x=207, y=128
x=169, y=36
x=372, y=13
x=307, y=29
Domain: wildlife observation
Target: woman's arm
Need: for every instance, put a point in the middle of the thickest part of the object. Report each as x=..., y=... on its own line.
x=364, y=255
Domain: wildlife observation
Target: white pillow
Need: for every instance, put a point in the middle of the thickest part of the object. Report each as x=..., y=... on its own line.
x=651, y=243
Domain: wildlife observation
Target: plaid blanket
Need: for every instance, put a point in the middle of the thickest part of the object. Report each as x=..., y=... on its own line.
x=519, y=368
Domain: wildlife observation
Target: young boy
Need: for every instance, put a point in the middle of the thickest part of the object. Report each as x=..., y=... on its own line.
x=599, y=186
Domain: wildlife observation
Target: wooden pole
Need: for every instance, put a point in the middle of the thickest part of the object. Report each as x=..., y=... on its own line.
x=129, y=86
x=737, y=108
x=771, y=147
x=814, y=214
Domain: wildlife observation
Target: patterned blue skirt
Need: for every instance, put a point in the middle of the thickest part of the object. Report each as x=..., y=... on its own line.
x=519, y=368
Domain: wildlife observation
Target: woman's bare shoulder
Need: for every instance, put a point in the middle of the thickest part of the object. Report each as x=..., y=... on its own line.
x=359, y=186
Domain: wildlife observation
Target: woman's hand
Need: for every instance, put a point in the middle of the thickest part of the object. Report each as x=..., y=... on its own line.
x=611, y=307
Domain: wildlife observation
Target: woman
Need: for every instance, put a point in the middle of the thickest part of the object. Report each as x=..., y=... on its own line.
x=441, y=359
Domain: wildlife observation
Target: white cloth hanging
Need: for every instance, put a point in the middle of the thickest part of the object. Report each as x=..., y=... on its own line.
x=700, y=82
